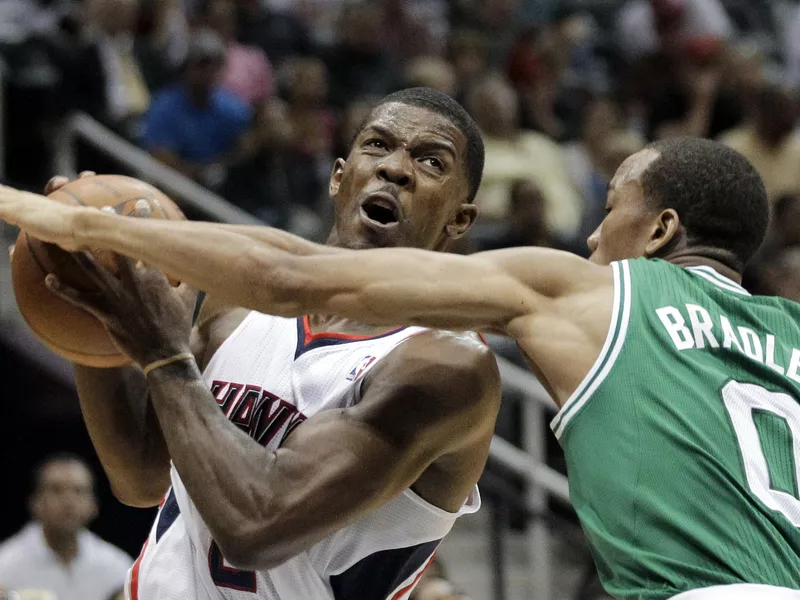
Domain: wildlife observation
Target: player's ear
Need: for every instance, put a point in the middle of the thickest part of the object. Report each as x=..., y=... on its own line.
x=665, y=232
x=462, y=221
x=336, y=177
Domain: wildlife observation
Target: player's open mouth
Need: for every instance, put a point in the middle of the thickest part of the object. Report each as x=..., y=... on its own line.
x=381, y=210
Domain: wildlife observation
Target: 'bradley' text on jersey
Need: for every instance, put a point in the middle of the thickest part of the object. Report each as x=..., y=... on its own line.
x=692, y=327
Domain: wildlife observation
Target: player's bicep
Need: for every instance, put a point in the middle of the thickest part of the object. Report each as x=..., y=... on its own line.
x=548, y=273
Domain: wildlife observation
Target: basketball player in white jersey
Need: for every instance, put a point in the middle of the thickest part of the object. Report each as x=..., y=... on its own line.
x=342, y=453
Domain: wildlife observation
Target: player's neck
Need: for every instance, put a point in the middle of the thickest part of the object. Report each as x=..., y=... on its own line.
x=65, y=546
x=695, y=259
x=334, y=324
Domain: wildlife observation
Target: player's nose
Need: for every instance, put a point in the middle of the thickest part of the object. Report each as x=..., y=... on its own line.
x=396, y=168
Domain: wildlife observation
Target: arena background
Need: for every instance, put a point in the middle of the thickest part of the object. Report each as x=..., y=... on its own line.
x=562, y=90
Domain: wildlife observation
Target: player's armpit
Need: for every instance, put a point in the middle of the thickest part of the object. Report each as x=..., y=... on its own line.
x=418, y=406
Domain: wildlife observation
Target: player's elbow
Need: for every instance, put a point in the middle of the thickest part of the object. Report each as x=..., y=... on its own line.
x=146, y=495
x=249, y=552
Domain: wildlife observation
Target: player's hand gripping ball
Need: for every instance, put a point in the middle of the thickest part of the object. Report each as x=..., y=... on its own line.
x=68, y=330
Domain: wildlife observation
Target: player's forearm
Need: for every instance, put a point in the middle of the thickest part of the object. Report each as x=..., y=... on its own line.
x=212, y=257
x=223, y=469
x=277, y=273
x=124, y=432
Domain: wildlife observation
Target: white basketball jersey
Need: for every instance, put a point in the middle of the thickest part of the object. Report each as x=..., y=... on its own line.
x=269, y=376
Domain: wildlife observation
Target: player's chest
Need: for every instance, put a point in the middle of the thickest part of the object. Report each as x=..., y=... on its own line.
x=269, y=387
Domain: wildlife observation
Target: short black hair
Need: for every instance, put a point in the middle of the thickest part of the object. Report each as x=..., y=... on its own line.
x=59, y=457
x=718, y=195
x=444, y=105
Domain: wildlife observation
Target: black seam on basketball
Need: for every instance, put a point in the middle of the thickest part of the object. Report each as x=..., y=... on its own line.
x=72, y=195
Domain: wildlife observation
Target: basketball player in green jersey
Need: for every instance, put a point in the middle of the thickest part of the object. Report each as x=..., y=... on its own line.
x=678, y=390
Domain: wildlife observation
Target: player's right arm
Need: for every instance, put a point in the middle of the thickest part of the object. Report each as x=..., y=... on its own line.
x=125, y=432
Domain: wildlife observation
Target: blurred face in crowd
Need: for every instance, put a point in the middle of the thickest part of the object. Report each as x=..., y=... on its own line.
x=222, y=19
x=64, y=501
x=776, y=114
x=626, y=231
x=783, y=275
x=113, y=16
x=308, y=81
x=361, y=26
x=202, y=75
x=528, y=210
x=404, y=182
x=494, y=106
x=786, y=220
x=602, y=117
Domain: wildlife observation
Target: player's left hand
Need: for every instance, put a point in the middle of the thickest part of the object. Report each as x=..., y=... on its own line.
x=147, y=317
x=42, y=218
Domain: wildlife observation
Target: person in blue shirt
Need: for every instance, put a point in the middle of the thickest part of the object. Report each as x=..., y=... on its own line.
x=194, y=125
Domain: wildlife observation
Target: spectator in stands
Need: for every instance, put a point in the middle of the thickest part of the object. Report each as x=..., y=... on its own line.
x=468, y=51
x=55, y=554
x=352, y=118
x=196, y=126
x=279, y=33
x=527, y=223
x=779, y=274
x=312, y=121
x=768, y=140
x=432, y=72
x=359, y=64
x=103, y=76
x=536, y=86
x=785, y=226
x=601, y=117
x=645, y=25
x=247, y=72
x=162, y=37
x=697, y=99
x=513, y=154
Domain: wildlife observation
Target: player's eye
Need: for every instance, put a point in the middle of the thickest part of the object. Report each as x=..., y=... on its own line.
x=375, y=143
x=434, y=162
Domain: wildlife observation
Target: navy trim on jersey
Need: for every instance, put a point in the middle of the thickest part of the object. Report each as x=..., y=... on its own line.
x=169, y=512
x=376, y=576
x=321, y=340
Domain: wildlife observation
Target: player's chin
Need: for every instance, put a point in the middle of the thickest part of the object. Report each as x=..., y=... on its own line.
x=377, y=237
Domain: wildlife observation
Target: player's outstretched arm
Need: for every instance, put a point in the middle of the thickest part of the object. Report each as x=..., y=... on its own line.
x=426, y=400
x=278, y=273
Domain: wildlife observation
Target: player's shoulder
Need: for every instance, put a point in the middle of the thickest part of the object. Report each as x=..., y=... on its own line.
x=443, y=363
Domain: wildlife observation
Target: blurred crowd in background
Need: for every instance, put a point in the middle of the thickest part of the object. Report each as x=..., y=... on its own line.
x=255, y=98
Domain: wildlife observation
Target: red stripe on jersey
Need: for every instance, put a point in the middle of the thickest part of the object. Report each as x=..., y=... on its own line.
x=135, y=572
x=411, y=585
x=312, y=337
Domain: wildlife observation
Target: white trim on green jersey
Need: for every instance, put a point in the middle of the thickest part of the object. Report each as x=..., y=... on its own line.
x=615, y=339
x=710, y=274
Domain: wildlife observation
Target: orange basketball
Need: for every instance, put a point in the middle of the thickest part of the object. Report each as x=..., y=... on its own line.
x=67, y=330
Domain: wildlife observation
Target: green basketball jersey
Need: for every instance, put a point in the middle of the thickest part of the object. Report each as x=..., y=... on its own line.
x=683, y=441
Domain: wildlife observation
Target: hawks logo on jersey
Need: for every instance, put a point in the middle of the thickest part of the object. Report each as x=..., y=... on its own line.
x=359, y=369
x=257, y=412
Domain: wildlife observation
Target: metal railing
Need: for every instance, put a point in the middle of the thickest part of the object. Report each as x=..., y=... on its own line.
x=189, y=193
x=528, y=463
